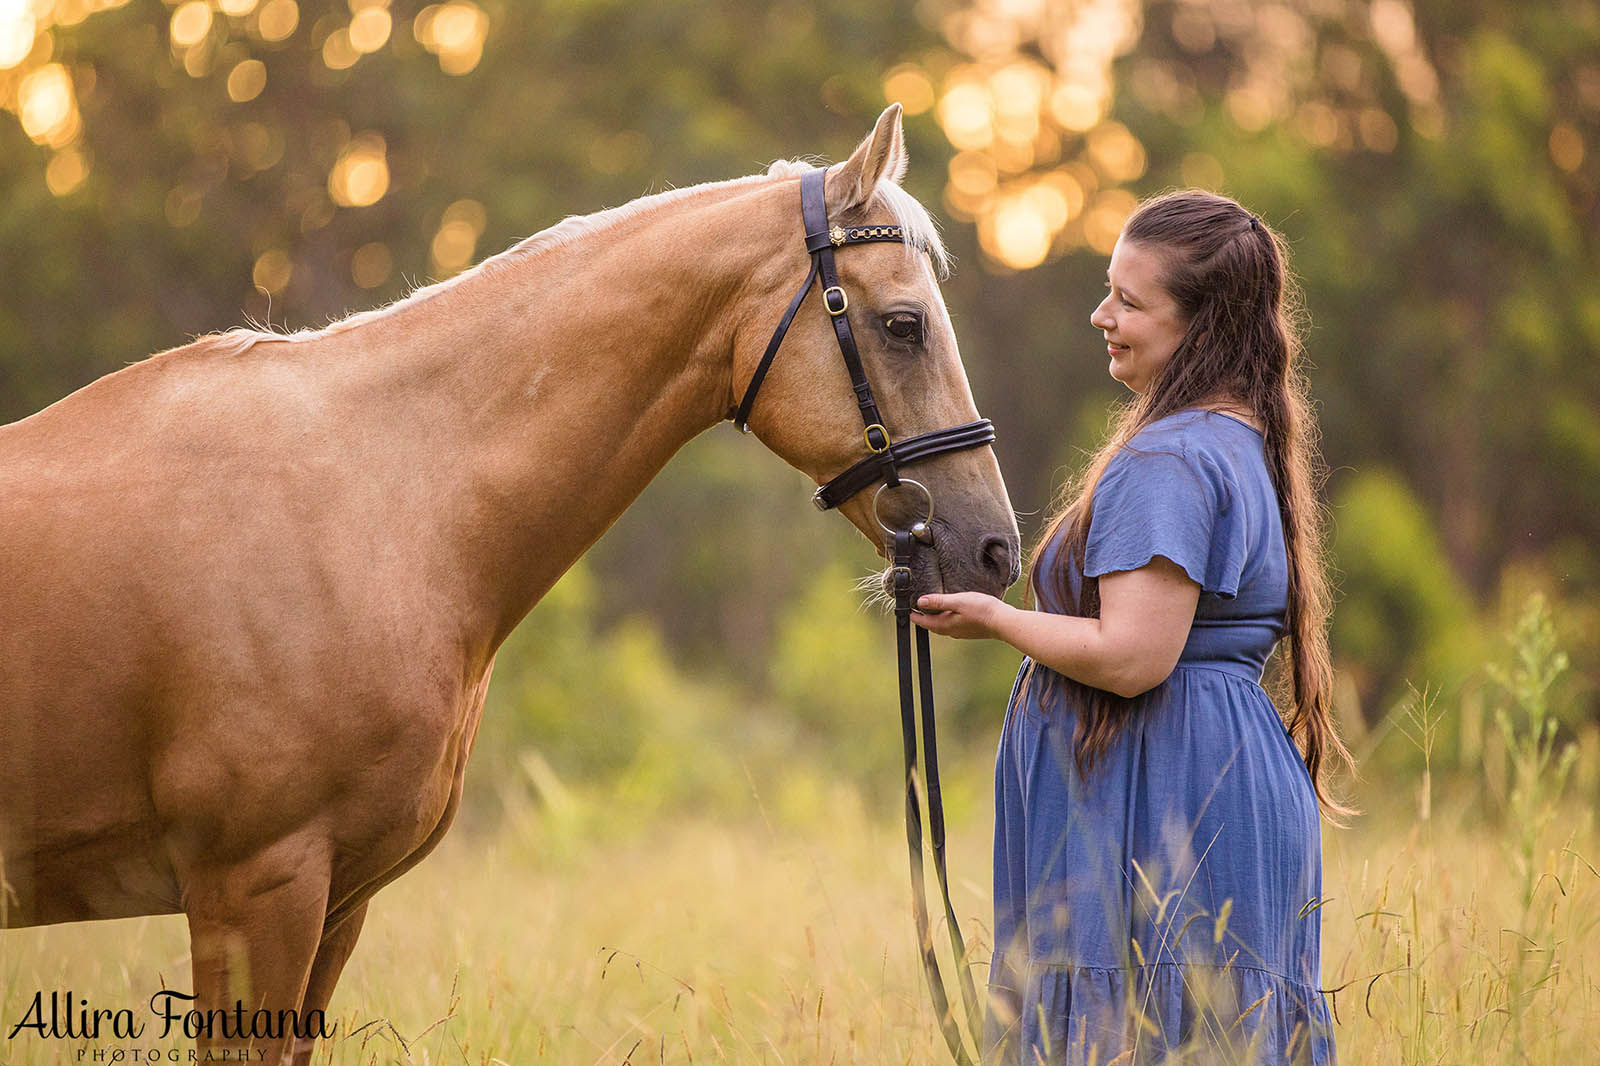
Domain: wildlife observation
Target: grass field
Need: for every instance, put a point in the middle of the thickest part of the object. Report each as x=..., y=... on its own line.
x=783, y=936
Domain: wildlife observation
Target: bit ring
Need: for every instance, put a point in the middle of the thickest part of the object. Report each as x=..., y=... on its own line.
x=877, y=496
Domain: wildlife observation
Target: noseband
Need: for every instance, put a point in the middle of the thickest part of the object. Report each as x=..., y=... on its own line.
x=882, y=466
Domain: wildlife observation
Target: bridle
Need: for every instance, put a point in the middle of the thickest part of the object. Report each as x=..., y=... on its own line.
x=882, y=466
x=886, y=455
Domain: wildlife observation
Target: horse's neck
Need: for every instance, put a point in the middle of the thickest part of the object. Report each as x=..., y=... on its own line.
x=548, y=391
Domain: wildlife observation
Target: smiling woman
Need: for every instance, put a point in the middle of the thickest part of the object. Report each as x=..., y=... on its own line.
x=1158, y=871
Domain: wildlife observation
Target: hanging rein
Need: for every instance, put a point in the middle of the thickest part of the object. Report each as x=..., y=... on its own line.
x=882, y=467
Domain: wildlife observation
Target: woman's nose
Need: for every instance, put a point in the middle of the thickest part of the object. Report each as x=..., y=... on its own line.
x=1098, y=317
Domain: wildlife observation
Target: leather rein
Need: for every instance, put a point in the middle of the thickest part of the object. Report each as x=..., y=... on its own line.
x=882, y=467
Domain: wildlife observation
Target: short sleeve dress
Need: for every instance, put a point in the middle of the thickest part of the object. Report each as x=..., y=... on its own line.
x=1167, y=906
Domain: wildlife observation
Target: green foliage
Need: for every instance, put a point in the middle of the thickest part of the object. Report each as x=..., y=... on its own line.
x=607, y=708
x=1402, y=614
x=1528, y=722
x=832, y=668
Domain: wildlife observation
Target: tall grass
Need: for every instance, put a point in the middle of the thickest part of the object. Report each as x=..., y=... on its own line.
x=1458, y=928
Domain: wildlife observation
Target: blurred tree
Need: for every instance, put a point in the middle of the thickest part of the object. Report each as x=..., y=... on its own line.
x=169, y=167
x=1432, y=163
x=294, y=161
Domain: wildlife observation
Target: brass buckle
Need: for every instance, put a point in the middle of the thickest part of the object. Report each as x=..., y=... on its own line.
x=827, y=301
x=866, y=435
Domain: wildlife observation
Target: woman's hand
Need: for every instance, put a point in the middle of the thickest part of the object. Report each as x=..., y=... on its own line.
x=965, y=615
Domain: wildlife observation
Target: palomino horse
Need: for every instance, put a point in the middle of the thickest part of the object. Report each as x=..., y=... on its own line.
x=253, y=586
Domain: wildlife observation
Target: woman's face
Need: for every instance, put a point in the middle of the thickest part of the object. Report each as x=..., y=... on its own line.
x=1140, y=319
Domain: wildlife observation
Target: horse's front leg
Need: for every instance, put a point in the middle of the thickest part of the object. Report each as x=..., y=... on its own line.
x=255, y=926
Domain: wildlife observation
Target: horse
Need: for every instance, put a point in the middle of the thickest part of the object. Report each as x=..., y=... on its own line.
x=254, y=585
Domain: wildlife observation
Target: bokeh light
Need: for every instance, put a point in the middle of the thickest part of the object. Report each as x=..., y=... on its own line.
x=272, y=271
x=338, y=53
x=1102, y=223
x=910, y=86
x=190, y=23
x=46, y=106
x=1027, y=117
x=246, y=80
x=66, y=172
x=456, y=241
x=371, y=265
x=1030, y=101
x=1566, y=147
x=18, y=28
x=1020, y=235
x=361, y=175
x=277, y=20
x=369, y=29
x=454, y=32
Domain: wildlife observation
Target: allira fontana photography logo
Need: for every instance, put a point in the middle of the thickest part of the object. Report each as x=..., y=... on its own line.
x=169, y=1015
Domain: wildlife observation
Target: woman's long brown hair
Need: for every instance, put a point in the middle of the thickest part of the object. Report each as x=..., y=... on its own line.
x=1226, y=270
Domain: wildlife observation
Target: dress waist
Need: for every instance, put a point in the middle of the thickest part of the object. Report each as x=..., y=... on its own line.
x=1240, y=670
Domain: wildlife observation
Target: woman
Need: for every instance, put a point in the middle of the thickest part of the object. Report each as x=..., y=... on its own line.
x=1157, y=844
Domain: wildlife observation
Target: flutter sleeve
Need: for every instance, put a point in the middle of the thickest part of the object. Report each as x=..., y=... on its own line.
x=1170, y=503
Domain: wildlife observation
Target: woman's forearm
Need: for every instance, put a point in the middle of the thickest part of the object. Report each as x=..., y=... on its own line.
x=1075, y=647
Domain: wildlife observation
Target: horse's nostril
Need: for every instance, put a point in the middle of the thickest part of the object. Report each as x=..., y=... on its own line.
x=998, y=558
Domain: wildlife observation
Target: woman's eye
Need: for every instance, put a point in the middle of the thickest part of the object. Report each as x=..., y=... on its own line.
x=905, y=327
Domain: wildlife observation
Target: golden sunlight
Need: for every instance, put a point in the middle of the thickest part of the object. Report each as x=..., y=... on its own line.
x=1103, y=223
x=18, y=28
x=338, y=53
x=272, y=271
x=909, y=85
x=190, y=23
x=1027, y=117
x=67, y=170
x=361, y=175
x=457, y=240
x=1020, y=236
x=46, y=106
x=967, y=114
x=277, y=20
x=246, y=80
x=454, y=32
x=369, y=30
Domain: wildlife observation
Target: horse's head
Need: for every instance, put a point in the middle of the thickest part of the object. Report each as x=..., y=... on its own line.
x=809, y=411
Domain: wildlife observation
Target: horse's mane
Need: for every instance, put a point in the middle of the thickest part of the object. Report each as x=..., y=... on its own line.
x=922, y=236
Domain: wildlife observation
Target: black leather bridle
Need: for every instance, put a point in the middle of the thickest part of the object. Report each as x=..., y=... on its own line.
x=882, y=467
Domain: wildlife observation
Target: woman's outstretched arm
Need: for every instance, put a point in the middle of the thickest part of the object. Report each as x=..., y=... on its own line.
x=1144, y=621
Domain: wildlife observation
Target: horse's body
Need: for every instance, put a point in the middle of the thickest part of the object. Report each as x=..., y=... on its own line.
x=253, y=587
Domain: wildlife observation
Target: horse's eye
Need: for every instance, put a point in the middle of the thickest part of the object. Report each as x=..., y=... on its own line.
x=904, y=326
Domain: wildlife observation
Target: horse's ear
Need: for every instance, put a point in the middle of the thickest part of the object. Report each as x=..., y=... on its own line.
x=881, y=155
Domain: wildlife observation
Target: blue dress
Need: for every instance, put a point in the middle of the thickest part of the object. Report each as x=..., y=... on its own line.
x=1169, y=905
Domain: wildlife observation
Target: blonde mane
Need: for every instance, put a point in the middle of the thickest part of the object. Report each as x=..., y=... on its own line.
x=922, y=236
